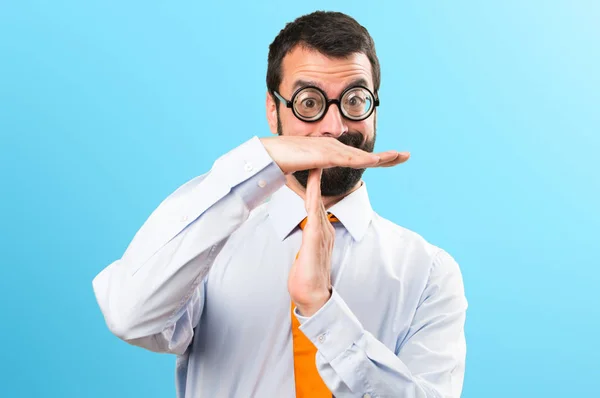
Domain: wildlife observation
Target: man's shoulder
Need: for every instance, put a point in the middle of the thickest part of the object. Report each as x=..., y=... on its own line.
x=416, y=252
x=403, y=238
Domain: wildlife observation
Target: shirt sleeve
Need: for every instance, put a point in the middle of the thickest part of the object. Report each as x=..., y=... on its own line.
x=429, y=363
x=153, y=295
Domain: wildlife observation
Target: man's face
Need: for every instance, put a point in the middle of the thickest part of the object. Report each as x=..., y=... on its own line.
x=301, y=67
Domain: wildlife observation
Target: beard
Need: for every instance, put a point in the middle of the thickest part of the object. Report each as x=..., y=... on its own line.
x=336, y=181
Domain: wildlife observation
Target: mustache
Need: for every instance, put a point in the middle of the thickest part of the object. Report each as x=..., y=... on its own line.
x=353, y=139
x=339, y=180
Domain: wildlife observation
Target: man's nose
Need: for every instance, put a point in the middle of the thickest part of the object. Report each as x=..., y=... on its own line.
x=332, y=124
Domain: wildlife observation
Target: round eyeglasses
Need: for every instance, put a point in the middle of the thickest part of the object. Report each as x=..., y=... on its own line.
x=310, y=104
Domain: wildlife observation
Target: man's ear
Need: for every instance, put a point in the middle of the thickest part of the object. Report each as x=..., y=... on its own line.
x=271, y=113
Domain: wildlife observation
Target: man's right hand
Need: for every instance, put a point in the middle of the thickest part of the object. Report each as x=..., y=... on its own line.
x=306, y=153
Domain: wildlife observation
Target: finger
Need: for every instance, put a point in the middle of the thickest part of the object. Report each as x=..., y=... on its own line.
x=399, y=158
x=386, y=159
x=313, y=201
x=392, y=164
x=347, y=156
x=390, y=156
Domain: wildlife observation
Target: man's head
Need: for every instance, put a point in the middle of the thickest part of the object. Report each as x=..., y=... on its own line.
x=333, y=53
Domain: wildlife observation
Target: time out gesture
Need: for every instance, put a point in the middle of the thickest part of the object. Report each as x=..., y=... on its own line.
x=309, y=281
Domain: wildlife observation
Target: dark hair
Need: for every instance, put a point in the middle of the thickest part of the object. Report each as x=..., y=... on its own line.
x=333, y=34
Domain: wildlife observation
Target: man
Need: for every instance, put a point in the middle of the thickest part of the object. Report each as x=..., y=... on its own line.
x=310, y=293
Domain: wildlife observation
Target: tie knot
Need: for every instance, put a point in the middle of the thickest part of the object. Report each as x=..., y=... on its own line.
x=330, y=217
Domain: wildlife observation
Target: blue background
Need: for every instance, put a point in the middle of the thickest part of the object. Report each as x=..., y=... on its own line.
x=107, y=107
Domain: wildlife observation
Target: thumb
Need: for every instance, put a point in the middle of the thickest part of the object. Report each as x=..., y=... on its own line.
x=313, y=201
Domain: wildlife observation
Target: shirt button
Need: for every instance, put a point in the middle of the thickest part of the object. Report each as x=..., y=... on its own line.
x=262, y=183
x=367, y=395
x=248, y=167
x=184, y=218
x=322, y=338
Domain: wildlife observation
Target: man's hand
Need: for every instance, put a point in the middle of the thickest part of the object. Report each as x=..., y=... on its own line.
x=306, y=153
x=309, y=281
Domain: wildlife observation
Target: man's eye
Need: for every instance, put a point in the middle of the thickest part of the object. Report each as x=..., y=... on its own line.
x=309, y=103
x=356, y=101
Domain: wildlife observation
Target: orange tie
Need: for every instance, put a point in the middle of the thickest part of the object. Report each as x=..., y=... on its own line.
x=308, y=381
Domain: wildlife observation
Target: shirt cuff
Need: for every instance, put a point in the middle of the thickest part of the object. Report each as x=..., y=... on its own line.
x=333, y=328
x=259, y=187
x=250, y=172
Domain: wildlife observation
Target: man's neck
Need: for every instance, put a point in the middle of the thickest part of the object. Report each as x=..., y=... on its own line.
x=328, y=201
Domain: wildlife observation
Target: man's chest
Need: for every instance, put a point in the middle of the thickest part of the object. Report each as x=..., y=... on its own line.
x=246, y=289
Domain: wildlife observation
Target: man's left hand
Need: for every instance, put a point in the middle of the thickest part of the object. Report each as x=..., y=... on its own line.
x=309, y=281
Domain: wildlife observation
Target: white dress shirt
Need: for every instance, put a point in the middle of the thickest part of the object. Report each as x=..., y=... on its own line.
x=206, y=278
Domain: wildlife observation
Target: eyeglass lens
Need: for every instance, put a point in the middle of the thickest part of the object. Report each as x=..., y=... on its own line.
x=311, y=103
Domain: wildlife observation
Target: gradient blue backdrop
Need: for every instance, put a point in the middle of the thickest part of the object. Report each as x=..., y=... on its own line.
x=107, y=107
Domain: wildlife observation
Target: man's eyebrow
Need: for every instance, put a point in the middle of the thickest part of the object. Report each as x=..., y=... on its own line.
x=359, y=82
x=304, y=83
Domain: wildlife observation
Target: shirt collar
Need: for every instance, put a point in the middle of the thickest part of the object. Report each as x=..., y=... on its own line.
x=286, y=210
